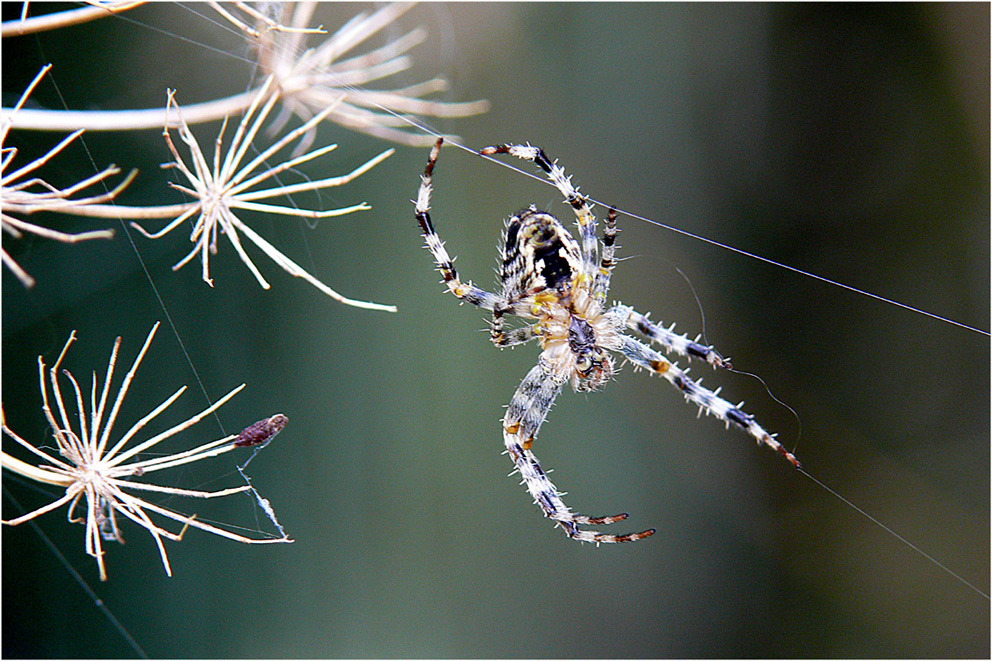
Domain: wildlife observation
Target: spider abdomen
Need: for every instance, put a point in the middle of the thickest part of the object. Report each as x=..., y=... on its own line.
x=538, y=254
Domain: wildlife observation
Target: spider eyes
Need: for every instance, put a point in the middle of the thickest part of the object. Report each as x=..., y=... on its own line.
x=593, y=369
x=590, y=363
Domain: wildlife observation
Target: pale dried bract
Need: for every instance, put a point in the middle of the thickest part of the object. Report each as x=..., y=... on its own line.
x=331, y=74
x=230, y=181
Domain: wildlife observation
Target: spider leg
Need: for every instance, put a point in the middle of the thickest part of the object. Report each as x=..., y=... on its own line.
x=668, y=338
x=528, y=409
x=601, y=283
x=445, y=264
x=530, y=404
x=512, y=337
x=583, y=213
x=707, y=400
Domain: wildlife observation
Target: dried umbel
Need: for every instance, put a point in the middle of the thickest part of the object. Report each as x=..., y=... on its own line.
x=101, y=477
x=230, y=182
x=310, y=78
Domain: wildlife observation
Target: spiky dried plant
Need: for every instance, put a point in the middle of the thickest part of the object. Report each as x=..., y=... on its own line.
x=309, y=79
x=103, y=476
x=22, y=195
x=229, y=182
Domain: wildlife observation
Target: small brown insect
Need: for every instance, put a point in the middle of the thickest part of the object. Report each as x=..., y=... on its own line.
x=261, y=432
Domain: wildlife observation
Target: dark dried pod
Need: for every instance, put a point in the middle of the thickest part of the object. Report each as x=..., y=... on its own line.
x=262, y=431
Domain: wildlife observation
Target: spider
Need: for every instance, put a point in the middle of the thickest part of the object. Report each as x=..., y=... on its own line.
x=561, y=284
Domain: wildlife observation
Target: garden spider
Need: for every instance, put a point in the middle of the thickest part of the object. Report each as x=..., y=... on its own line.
x=547, y=276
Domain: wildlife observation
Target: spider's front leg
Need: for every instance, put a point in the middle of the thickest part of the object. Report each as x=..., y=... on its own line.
x=707, y=400
x=583, y=214
x=528, y=409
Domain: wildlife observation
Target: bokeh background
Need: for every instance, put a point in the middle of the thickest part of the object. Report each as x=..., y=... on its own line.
x=851, y=141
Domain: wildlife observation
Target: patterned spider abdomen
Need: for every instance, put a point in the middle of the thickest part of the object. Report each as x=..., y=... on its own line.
x=538, y=254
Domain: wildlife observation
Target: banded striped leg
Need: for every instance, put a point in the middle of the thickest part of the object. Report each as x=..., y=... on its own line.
x=668, y=338
x=528, y=409
x=707, y=400
x=512, y=337
x=583, y=214
x=464, y=291
x=601, y=284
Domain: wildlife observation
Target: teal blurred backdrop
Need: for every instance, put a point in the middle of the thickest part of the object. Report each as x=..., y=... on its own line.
x=851, y=141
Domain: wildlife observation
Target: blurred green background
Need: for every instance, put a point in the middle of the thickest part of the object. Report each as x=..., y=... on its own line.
x=851, y=141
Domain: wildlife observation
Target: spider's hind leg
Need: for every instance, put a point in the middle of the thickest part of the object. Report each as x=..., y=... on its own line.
x=708, y=401
x=527, y=410
x=548, y=498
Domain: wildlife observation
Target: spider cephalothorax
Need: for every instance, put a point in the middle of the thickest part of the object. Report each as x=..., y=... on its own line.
x=559, y=284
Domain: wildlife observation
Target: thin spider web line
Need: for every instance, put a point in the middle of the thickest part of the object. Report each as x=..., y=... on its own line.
x=719, y=244
x=892, y=532
x=423, y=126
